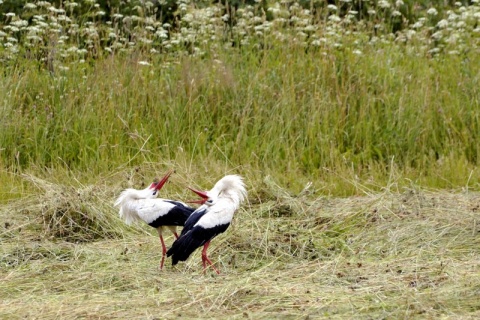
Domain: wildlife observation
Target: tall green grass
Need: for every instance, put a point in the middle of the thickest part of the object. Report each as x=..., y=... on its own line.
x=277, y=111
x=296, y=112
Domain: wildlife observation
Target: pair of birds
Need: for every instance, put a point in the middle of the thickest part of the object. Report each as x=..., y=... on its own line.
x=200, y=225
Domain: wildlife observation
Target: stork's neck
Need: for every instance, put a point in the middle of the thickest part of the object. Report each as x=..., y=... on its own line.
x=232, y=199
x=132, y=194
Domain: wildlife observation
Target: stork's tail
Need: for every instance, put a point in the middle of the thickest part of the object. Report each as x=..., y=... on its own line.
x=183, y=247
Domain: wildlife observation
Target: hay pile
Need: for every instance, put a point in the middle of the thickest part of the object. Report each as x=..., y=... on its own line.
x=66, y=212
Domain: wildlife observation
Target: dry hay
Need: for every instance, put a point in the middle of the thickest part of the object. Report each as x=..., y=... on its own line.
x=383, y=255
x=67, y=212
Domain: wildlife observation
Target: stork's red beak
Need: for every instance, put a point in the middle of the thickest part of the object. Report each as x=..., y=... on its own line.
x=164, y=180
x=202, y=194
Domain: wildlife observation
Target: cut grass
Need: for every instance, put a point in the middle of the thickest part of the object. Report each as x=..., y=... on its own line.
x=412, y=253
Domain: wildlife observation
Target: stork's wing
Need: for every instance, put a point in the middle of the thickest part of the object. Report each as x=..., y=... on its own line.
x=193, y=219
x=176, y=216
x=150, y=210
x=197, y=236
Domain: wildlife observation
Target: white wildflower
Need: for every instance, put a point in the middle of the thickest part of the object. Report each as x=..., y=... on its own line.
x=144, y=63
x=34, y=38
x=410, y=34
x=28, y=6
x=64, y=18
x=19, y=23
x=357, y=52
x=145, y=41
x=432, y=12
x=162, y=33
x=11, y=28
x=384, y=4
x=334, y=18
x=10, y=14
x=417, y=25
x=44, y=4
x=437, y=35
x=188, y=17
x=442, y=24
x=71, y=4
x=399, y=3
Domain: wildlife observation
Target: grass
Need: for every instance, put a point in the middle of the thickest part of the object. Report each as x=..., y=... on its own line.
x=396, y=254
x=292, y=114
x=319, y=99
x=359, y=147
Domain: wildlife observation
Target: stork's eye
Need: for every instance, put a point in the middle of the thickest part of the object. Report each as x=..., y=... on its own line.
x=155, y=192
x=209, y=201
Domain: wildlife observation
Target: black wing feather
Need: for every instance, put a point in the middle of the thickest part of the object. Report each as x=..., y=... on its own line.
x=177, y=216
x=193, y=219
x=197, y=236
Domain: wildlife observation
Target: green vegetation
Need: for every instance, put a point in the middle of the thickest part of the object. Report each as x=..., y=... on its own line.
x=314, y=100
x=355, y=124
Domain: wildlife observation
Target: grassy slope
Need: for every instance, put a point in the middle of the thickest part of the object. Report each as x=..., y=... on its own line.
x=391, y=254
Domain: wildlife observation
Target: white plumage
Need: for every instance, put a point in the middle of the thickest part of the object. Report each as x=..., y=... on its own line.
x=209, y=220
x=136, y=205
x=158, y=213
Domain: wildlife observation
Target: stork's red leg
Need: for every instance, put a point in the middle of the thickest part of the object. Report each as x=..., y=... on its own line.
x=164, y=252
x=205, y=258
x=176, y=235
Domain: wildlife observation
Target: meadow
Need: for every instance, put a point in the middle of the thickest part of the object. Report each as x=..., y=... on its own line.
x=356, y=129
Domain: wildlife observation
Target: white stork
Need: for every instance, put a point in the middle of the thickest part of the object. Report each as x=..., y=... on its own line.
x=210, y=219
x=158, y=213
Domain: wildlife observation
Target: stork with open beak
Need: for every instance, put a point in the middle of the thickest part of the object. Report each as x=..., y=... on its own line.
x=158, y=213
x=209, y=220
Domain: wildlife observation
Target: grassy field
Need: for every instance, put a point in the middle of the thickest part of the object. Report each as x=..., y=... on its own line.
x=407, y=253
x=356, y=131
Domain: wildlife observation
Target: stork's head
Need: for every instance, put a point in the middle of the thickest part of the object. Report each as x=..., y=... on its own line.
x=230, y=188
x=152, y=190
